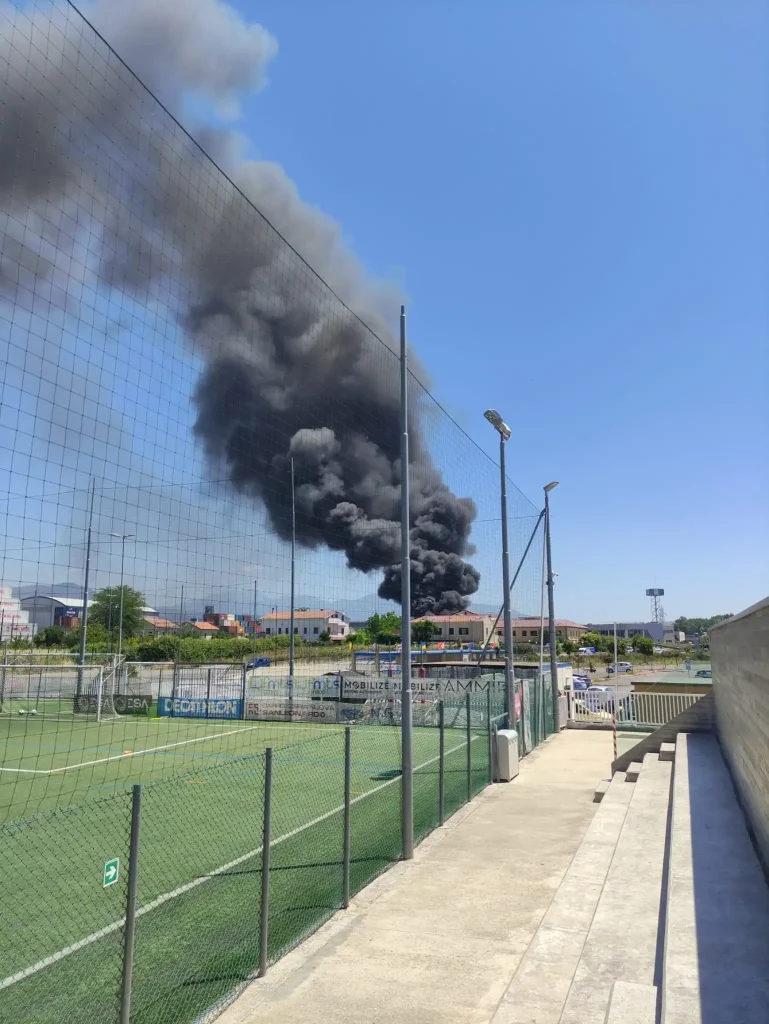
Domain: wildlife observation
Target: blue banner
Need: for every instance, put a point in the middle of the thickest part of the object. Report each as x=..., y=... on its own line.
x=199, y=707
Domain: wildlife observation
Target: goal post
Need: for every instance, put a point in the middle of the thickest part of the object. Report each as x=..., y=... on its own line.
x=58, y=691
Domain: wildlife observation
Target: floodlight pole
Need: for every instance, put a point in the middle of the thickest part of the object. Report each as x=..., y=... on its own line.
x=407, y=752
x=84, y=617
x=504, y=435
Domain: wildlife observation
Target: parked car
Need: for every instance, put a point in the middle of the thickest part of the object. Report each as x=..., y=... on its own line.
x=597, y=699
x=621, y=666
x=259, y=663
x=579, y=684
x=704, y=673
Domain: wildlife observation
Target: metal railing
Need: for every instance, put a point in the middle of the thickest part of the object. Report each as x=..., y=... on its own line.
x=630, y=709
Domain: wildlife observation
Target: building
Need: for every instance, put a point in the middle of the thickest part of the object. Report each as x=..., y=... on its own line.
x=308, y=624
x=45, y=610
x=462, y=628
x=478, y=630
x=153, y=625
x=655, y=630
x=14, y=618
x=526, y=631
x=204, y=629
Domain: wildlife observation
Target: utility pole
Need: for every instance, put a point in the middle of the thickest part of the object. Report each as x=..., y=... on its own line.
x=122, y=537
x=84, y=617
x=407, y=748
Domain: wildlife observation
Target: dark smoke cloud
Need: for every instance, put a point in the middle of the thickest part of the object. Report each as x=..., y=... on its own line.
x=289, y=374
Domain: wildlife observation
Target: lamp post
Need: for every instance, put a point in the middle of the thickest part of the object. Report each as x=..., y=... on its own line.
x=291, y=647
x=122, y=537
x=551, y=612
x=504, y=435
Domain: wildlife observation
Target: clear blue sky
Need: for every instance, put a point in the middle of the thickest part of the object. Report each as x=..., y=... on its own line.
x=575, y=199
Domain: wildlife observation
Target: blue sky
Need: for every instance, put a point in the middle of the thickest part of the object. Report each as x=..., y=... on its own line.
x=574, y=199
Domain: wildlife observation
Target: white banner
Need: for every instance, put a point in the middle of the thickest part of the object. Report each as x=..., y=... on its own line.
x=290, y=711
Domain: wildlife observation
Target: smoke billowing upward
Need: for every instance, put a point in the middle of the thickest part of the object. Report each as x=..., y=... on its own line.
x=288, y=372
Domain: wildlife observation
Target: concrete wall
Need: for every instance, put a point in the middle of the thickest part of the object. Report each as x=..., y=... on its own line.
x=739, y=649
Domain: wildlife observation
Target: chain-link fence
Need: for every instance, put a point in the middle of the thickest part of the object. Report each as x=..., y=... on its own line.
x=322, y=816
x=200, y=491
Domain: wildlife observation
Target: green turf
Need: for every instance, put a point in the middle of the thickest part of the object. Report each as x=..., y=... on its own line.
x=172, y=746
x=201, y=811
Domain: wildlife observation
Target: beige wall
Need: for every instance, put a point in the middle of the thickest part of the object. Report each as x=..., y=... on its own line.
x=739, y=652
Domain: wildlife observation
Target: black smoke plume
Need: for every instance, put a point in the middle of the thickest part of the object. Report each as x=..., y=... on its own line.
x=289, y=373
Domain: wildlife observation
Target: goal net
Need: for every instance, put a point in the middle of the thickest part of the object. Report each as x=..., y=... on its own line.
x=57, y=691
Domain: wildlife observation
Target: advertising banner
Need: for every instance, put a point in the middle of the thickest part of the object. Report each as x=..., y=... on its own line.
x=269, y=709
x=199, y=707
x=132, y=704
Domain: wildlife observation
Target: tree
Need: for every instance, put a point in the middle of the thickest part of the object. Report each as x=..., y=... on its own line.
x=568, y=647
x=384, y=629
x=590, y=640
x=643, y=645
x=423, y=631
x=51, y=636
x=700, y=625
x=106, y=610
x=97, y=639
x=324, y=637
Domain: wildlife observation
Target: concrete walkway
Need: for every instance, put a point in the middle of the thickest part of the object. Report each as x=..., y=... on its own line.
x=439, y=940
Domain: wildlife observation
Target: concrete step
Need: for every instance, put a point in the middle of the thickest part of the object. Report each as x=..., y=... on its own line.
x=667, y=751
x=622, y=941
x=633, y=771
x=556, y=946
x=631, y=1003
x=600, y=790
x=716, y=954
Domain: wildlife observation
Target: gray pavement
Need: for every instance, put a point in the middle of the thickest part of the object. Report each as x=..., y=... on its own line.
x=439, y=940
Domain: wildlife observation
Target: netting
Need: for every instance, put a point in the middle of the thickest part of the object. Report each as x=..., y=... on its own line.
x=194, y=372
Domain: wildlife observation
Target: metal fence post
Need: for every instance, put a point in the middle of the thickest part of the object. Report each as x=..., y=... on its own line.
x=130, y=913
x=495, y=748
x=469, y=750
x=5, y=669
x=243, y=687
x=346, y=843
x=441, y=765
x=488, y=731
x=265, y=908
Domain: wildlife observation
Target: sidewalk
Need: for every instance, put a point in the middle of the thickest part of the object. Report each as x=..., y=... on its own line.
x=436, y=941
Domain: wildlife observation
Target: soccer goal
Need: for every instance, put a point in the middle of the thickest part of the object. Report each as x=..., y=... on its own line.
x=57, y=691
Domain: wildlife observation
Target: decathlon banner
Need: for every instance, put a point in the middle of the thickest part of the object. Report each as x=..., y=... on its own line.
x=199, y=707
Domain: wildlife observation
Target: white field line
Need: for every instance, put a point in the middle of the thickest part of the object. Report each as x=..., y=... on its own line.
x=160, y=900
x=133, y=753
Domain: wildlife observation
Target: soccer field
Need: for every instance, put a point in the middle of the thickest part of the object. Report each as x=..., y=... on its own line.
x=197, y=935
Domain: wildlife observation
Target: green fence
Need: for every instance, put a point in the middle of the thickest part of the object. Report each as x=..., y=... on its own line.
x=334, y=803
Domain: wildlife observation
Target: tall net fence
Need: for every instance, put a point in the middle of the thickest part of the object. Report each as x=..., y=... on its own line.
x=193, y=373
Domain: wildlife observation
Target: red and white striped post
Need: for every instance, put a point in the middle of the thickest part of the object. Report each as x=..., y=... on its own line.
x=614, y=732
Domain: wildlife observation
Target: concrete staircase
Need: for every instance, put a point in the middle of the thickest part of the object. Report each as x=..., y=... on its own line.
x=663, y=914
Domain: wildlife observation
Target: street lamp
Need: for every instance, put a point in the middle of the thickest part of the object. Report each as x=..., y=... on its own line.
x=122, y=537
x=551, y=611
x=504, y=435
